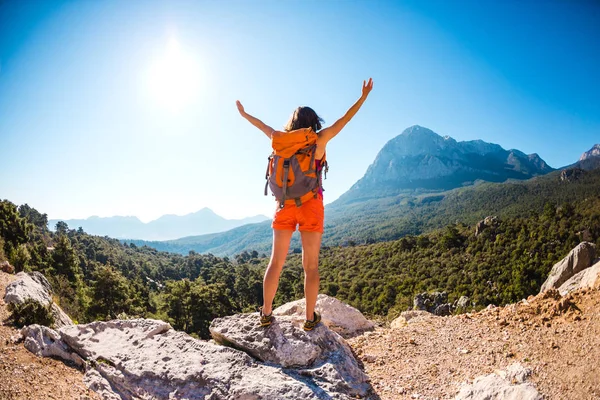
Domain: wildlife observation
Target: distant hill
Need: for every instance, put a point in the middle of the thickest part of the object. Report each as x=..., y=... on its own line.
x=413, y=211
x=166, y=227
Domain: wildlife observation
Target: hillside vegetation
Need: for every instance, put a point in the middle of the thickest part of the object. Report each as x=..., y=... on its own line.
x=101, y=278
x=410, y=213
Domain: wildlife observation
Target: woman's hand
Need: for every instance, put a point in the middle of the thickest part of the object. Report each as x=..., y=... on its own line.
x=240, y=107
x=367, y=87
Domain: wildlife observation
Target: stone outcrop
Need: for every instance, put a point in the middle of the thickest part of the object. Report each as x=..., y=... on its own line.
x=35, y=287
x=435, y=303
x=463, y=302
x=509, y=384
x=581, y=280
x=578, y=259
x=571, y=174
x=6, y=267
x=144, y=358
x=320, y=358
x=45, y=342
x=490, y=221
x=339, y=317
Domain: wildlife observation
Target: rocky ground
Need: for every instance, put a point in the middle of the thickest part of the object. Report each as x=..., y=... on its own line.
x=429, y=357
x=558, y=338
x=26, y=376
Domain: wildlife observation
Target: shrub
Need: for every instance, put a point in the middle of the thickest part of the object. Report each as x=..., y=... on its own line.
x=31, y=312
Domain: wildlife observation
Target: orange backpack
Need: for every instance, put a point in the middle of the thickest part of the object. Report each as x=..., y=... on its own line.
x=291, y=172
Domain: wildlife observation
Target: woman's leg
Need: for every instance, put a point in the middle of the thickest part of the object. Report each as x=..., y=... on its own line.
x=311, y=245
x=281, y=244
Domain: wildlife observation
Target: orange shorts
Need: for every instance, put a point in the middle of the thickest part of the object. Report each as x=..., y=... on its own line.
x=309, y=216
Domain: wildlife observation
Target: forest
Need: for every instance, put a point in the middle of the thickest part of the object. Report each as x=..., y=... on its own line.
x=99, y=278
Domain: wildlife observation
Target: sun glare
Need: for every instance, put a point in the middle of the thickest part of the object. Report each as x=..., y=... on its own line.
x=173, y=78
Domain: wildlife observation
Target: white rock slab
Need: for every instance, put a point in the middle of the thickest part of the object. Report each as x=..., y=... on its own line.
x=584, y=279
x=338, y=316
x=578, y=259
x=36, y=287
x=509, y=384
x=146, y=359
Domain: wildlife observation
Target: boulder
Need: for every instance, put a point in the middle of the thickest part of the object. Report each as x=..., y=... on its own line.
x=435, y=303
x=583, y=279
x=509, y=384
x=486, y=222
x=36, y=287
x=320, y=357
x=6, y=267
x=144, y=358
x=463, y=302
x=578, y=259
x=45, y=342
x=336, y=315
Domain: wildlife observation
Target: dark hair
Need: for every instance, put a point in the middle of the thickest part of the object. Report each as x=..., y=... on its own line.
x=304, y=117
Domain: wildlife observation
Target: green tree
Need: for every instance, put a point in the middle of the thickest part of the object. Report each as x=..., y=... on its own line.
x=110, y=294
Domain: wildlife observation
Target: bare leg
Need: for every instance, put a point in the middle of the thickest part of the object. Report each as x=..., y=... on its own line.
x=311, y=245
x=281, y=244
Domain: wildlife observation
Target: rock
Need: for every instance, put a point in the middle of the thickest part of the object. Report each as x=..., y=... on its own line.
x=571, y=174
x=486, y=222
x=6, y=267
x=435, y=303
x=321, y=357
x=463, y=302
x=26, y=287
x=583, y=279
x=45, y=342
x=443, y=310
x=336, y=315
x=411, y=317
x=578, y=259
x=144, y=358
x=96, y=382
x=509, y=384
x=37, y=288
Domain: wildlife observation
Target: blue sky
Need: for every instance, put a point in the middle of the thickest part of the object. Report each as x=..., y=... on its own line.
x=128, y=108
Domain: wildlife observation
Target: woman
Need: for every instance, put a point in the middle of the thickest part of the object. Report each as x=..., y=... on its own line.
x=309, y=216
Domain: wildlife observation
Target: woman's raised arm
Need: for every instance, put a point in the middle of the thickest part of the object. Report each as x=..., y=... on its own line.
x=254, y=121
x=326, y=134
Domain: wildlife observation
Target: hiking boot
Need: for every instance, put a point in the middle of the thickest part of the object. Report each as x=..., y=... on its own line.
x=265, y=320
x=309, y=325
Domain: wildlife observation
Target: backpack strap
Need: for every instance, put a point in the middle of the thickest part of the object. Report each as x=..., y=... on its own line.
x=286, y=170
x=267, y=174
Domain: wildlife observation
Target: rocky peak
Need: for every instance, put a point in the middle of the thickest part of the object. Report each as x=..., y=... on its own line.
x=419, y=158
x=593, y=152
x=417, y=140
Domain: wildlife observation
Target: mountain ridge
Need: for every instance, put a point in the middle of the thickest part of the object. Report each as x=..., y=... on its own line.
x=165, y=227
x=419, y=158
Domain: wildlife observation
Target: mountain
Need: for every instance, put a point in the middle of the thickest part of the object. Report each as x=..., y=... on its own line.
x=593, y=152
x=419, y=158
x=589, y=160
x=166, y=227
x=405, y=210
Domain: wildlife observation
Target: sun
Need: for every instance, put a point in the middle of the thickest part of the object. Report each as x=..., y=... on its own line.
x=173, y=78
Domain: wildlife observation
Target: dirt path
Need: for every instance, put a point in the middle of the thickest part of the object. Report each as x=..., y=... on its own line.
x=26, y=376
x=559, y=339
